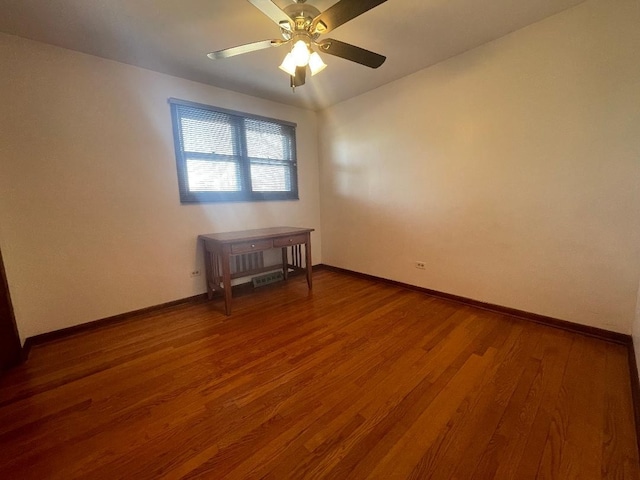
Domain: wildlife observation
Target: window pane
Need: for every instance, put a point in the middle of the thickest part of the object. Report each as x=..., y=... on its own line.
x=270, y=178
x=213, y=176
x=207, y=134
x=267, y=140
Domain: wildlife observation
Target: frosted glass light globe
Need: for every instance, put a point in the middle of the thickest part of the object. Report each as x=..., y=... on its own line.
x=300, y=53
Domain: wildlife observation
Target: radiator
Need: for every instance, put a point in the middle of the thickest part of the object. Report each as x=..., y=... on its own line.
x=247, y=262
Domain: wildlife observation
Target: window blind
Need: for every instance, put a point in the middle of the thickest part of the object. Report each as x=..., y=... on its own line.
x=223, y=155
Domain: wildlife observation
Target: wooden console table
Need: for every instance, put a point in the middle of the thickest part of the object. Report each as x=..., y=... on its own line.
x=220, y=247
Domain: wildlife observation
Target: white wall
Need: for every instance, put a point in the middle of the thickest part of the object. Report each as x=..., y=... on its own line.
x=512, y=170
x=90, y=219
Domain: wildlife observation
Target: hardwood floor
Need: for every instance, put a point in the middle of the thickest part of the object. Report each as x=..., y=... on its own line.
x=355, y=380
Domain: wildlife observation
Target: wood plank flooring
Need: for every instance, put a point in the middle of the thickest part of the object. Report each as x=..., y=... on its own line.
x=355, y=380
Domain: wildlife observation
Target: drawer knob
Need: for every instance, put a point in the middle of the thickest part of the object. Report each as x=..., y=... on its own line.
x=291, y=240
x=253, y=246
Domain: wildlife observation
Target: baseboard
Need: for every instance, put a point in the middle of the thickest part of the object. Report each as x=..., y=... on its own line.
x=600, y=333
x=30, y=342
x=84, y=327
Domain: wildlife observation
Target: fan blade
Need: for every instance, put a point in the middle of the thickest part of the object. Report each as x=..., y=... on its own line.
x=274, y=12
x=340, y=13
x=249, y=47
x=300, y=77
x=351, y=52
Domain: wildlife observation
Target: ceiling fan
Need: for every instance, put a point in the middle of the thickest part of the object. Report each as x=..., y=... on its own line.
x=301, y=26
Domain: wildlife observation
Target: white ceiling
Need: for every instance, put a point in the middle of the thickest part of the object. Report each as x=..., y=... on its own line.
x=174, y=37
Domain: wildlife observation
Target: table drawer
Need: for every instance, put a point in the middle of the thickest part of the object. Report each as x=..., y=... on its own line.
x=245, y=247
x=291, y=240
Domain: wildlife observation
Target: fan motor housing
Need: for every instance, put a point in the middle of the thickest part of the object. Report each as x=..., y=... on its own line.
x=302, y=15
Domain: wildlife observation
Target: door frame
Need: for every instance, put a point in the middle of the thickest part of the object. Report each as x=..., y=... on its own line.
x=9, y=329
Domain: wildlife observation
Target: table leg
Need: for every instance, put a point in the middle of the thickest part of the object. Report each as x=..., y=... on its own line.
x=209, y=258
x=285, y=262
x=307, y=254
x=226, y=280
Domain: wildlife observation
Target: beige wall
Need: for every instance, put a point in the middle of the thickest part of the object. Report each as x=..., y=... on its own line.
x=90, y=219
x=512, y=170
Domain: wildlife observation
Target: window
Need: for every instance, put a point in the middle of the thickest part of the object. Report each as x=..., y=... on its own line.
x=226, y=156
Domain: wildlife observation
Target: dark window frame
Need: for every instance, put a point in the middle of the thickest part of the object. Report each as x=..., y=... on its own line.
x=246, y=194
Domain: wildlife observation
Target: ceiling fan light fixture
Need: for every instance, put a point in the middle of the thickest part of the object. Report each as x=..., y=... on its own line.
x=316, y=65
x=300, y=26
x=300, y=53
x=288, y=65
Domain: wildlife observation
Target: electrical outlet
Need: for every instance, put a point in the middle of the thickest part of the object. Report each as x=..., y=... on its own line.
x=195, y=273
x=421, y=265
